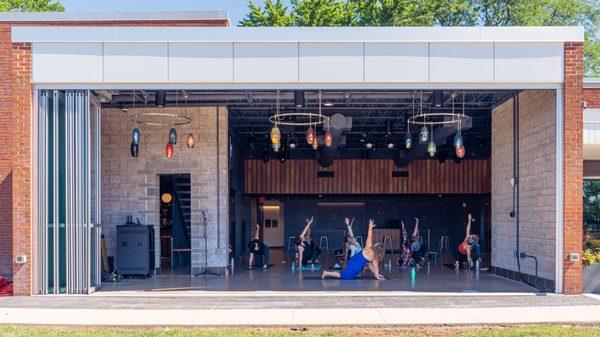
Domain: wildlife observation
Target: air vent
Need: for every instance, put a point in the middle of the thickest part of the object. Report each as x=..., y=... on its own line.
x=325, y=174
x=400, y=174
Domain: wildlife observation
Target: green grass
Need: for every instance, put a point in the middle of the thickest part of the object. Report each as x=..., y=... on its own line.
x=425, y=331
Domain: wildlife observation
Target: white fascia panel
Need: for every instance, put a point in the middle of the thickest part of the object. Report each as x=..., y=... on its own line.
x=529, y=62
x=136, y=62
x=265, y=62
x=461, y=62
x=396, y=62
x=331, y=62
x=66, y=62
x=201, y=62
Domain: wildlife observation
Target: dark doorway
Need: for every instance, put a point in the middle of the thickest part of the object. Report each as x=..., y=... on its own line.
x=175, y=221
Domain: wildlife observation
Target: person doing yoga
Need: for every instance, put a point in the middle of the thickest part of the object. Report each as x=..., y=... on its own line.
x=352, y=246
x=306, y=247
x=369, y=257
x=258, y=250
x=469, y=246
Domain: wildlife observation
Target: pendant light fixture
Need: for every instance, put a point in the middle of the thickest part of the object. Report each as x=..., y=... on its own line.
x=169, y=150
x=134, y=150
x=328, y=138
x=460, y=152
x=276, y=138
x=431, y=148
x=135, y=136
x=424, y=134
x=315, y=143
x=310, y=135
x=173, y=136
x=458, y=141
x=190, y=142
x=408, y=140
x=275, y=132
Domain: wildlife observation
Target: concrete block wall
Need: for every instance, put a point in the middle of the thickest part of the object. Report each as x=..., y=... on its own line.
x=130, y=186
x=537, y=156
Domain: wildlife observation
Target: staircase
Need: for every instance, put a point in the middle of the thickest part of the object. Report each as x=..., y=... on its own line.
x=184, y=195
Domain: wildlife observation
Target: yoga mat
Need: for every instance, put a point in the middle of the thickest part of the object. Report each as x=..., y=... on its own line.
x=256, y=268
x=315, y=267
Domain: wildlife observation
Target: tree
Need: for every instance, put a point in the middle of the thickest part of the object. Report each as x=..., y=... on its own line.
x=30, y=6
x=584, y=13
x=273, y=14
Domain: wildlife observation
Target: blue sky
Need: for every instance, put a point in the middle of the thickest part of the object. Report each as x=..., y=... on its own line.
x=236, y=8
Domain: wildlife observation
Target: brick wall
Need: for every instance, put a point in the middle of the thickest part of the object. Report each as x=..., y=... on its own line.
x=573, y=164
x=15, y=145
x=130, y=186
x=592, y=97
x=537, y=169
x=6, y=152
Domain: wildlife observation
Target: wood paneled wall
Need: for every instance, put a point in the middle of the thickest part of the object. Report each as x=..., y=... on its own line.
x=356, y=176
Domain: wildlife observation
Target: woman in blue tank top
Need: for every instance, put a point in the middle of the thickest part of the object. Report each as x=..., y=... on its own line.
x=369, y=257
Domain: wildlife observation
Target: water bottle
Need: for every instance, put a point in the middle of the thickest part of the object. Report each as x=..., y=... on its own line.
x=293, y=265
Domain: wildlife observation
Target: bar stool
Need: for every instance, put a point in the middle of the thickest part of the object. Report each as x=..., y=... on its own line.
x=291, y=246
x=359, y=239
x=386, y=240
x=444, y=244
x=324, y=243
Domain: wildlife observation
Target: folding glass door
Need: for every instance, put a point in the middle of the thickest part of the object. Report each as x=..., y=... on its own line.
x=68, y=192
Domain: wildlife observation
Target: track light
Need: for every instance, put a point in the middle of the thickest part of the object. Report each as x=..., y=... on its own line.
x=369, y=144
x=292, y=141
x=251, y=141
x=160, y=98
x=438, y=97
x=390, y=143
x=299, y=98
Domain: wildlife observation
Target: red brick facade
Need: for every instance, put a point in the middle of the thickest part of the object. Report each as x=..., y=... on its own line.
x=573, y=165
x=592, y=97
x=16, y=157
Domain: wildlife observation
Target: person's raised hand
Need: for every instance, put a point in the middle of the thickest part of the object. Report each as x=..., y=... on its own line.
x=402, y=222
x=257, y=225
x=416, y=219
x=469, y=216
x=347, y=221
x=371, y=224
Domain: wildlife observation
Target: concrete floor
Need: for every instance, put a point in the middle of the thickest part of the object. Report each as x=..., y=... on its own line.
x=433, y=277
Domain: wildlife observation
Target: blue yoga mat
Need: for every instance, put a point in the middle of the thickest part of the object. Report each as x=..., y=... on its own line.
x=314, y=267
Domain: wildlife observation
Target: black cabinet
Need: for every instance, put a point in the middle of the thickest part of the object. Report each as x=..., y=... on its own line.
x=135, y=250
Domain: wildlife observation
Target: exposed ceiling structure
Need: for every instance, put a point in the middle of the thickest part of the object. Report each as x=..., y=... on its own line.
x=377, y=116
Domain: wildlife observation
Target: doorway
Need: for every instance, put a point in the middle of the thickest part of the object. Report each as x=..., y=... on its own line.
x=273, y=224
x=175, y=221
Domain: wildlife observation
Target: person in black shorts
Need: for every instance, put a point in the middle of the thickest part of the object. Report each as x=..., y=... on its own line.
x=258, y=250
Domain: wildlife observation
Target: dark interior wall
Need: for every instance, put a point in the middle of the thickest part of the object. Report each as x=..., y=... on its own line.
x=445, y=215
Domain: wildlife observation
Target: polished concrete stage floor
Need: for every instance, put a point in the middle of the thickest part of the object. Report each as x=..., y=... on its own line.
x=433, y=277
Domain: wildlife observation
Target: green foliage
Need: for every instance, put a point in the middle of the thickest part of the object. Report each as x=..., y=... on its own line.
x=591, y=204
x=30, y=6
x=272, y=14
x=584, y=13
x=590, y=257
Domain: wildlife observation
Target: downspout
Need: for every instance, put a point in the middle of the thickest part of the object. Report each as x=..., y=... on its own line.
x=516, y=194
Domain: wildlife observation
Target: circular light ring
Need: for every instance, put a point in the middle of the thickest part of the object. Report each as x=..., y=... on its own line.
x=438, y=118
x=161, y=119
x=314, y=119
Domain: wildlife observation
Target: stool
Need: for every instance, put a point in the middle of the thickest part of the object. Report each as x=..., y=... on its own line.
x=388, y=239
x=359, y=239
x=291, y=246
x=324, y=247
x=444, y=244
